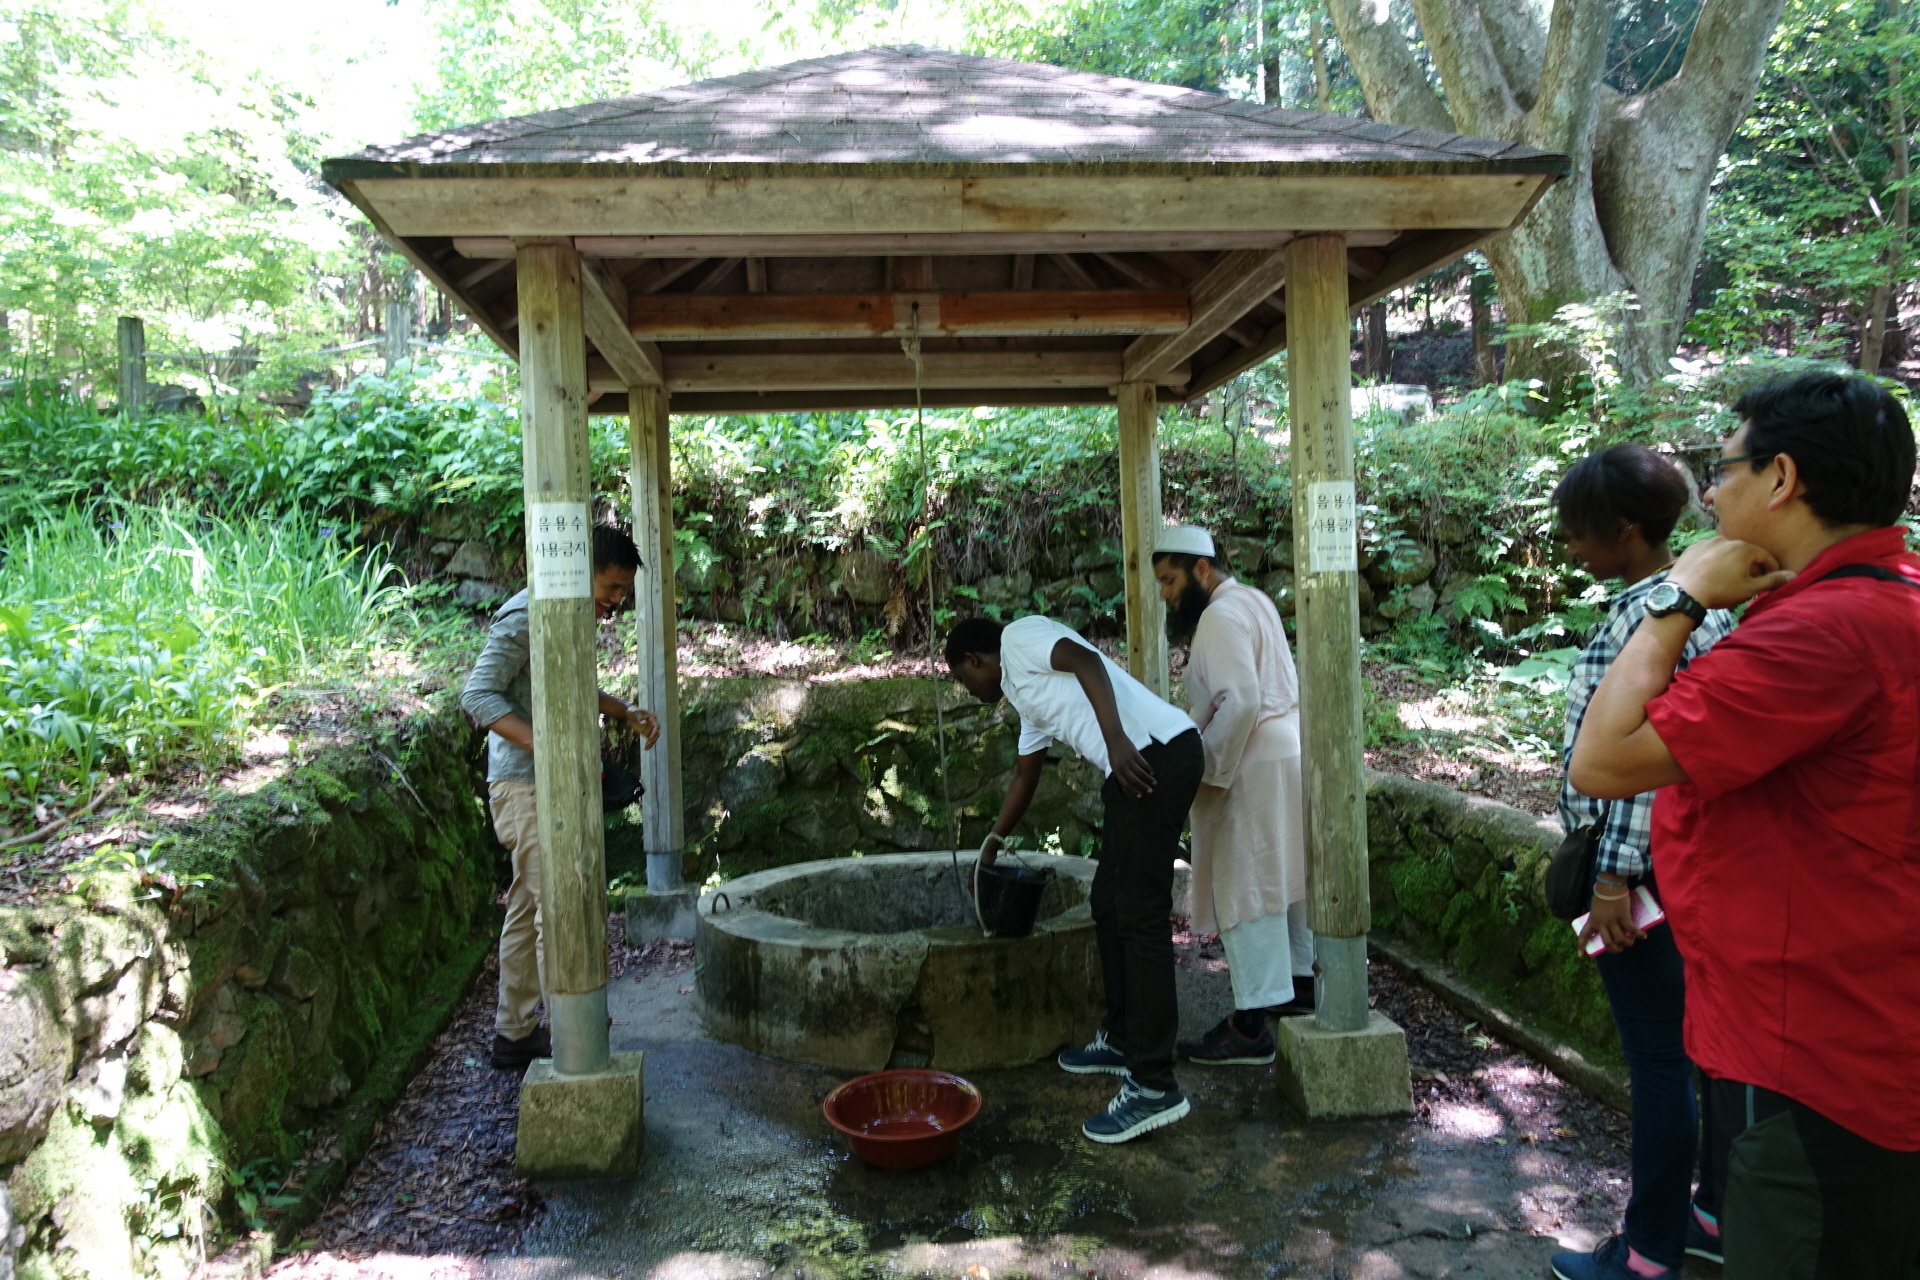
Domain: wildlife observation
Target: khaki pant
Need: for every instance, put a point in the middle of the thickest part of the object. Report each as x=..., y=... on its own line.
x=522, y=968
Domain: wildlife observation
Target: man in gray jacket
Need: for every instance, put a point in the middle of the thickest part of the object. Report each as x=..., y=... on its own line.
x=499, y=697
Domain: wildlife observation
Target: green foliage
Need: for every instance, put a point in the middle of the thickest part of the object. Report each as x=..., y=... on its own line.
x=139, y=175
x=131, y=636
x=399, y=445
x=1202, y=44
x=1802, y=216
x=259, y=1193
x=497, y=58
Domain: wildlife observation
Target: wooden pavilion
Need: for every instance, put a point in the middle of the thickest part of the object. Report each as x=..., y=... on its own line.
x=765, y=241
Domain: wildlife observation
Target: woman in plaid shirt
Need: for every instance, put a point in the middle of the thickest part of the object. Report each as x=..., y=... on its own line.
x=1617, y=509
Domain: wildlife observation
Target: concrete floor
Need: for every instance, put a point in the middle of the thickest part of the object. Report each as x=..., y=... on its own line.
x=742, y=1178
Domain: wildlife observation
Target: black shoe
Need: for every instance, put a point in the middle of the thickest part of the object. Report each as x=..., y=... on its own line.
x=1228, y=1046
x=514, y=1055
x=1300, y=1005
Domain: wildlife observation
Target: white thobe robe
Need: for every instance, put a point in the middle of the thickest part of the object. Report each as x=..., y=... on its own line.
x=1249, y=838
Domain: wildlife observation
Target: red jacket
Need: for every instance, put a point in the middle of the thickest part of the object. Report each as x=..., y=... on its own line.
x=1790, y=860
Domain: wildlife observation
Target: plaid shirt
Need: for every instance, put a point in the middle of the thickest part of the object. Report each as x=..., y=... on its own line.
x=1629, y=823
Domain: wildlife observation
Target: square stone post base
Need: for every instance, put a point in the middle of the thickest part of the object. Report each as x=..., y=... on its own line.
x=1340, y=1074
x=653, y=916
x=589, y=1126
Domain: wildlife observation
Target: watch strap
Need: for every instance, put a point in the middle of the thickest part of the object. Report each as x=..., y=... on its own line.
x=1684, y=604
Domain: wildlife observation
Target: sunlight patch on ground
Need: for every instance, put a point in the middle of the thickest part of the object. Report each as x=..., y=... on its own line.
x=1438, y=715
x=378, y=1266
x=1461, y=1120
x=706, y=1266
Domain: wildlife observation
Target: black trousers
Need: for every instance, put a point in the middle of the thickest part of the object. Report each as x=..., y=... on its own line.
x=1132, y=901
x=1804, y=1198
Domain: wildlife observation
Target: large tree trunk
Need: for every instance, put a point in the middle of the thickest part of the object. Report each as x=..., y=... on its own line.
x=1632, y=213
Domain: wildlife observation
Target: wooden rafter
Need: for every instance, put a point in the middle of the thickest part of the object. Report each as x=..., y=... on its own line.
x=604, y=306
x=1219, y=298
x=852, y=371
x=692, y=317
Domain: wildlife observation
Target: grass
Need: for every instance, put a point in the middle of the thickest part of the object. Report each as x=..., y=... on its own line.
x=134, y=636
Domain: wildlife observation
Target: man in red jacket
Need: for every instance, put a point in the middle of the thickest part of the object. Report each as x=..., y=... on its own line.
x=1787, y=838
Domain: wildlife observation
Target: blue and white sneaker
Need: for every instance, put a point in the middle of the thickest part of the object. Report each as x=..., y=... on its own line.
x=1098, y=1059
x=1613, y=1260
x=1135, y=1111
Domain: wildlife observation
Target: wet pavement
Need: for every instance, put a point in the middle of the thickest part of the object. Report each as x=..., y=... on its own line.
x=741, y=1176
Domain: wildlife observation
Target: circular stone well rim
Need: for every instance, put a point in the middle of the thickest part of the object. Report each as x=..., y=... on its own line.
x=941, y=996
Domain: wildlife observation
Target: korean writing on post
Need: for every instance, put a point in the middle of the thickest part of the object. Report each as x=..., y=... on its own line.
x=1332, y=543
x=560, y=550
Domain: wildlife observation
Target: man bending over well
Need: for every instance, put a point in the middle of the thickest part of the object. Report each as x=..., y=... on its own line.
x=1063, y=688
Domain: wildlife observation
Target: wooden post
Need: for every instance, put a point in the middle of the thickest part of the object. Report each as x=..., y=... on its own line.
x=399, y=335
x=131, y=338
x=1140, y=524
x=1327, y=561
x=566, y=723
x=1379, y=361
x=656, y=626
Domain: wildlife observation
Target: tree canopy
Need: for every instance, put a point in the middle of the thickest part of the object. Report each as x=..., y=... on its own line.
x=154, y=164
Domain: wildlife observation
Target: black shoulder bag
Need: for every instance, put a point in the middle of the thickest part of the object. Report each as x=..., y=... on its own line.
x=1871, y=571
x=1570, y=874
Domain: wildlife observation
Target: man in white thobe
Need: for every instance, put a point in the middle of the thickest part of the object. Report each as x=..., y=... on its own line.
x=1249, y=840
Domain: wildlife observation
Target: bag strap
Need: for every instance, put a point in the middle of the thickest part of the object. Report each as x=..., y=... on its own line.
x=1880, y=572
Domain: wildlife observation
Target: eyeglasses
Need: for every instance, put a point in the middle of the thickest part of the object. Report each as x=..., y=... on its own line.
x=1719, y=465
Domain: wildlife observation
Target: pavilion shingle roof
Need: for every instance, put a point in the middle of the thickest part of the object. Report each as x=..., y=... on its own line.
x=917, y=109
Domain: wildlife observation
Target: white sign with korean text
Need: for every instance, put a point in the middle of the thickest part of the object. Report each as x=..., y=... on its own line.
x=1332, y=546
x=560, y=551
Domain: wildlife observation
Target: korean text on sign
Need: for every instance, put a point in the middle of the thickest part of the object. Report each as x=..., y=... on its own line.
x=560, y=550
x=1332, y=542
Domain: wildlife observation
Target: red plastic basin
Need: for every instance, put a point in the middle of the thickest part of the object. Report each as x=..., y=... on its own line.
x=902, y=1119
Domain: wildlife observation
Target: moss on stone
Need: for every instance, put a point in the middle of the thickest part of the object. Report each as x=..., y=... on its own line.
x=1423, y=885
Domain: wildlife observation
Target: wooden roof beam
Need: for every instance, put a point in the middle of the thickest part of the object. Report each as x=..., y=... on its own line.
x=721, y=270
x=882, y=370
x=702, y=402
x=1073, y=271
x=604, y=306
x=692, y=317
x=655, y=274
x=1218, y=299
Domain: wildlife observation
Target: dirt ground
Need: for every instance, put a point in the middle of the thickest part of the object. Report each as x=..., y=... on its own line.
x=741, y=1178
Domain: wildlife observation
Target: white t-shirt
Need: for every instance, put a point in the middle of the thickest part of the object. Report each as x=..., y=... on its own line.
x=1052, y=705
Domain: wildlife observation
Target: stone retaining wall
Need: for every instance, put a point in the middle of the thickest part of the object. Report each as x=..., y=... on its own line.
x=1462, y=879
x=155, y=1043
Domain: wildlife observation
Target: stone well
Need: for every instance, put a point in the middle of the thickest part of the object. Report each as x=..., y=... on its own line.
x=864, y=963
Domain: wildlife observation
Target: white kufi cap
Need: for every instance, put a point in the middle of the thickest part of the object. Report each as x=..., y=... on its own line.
x=1186, y=540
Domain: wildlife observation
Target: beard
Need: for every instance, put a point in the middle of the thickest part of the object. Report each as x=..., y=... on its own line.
x=1183, y=615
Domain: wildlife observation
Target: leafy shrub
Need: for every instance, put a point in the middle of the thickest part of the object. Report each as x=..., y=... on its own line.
x=133, y=636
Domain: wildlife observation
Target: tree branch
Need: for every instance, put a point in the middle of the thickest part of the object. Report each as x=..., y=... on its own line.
x=1713, y=91
x=1519, y=43
x=1396, y=86
x=1566, y=113
x=1463, y=52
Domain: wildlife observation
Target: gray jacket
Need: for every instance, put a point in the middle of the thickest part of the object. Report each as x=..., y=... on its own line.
x=502, y=684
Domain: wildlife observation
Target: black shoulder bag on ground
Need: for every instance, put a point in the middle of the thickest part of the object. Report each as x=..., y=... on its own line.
x=1570, y=874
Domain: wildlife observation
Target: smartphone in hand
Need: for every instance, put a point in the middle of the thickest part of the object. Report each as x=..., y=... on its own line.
x=1646, y=914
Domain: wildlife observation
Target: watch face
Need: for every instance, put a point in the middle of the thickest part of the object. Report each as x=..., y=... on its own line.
x=1663, y=596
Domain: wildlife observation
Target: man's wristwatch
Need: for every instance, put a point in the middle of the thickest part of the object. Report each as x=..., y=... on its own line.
x=1665, y=599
